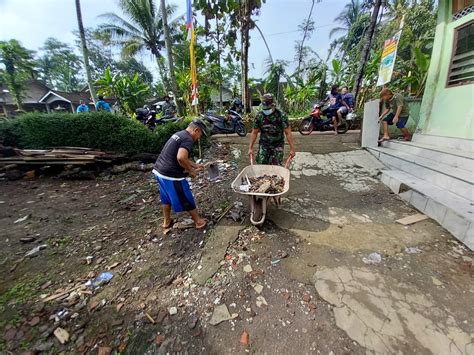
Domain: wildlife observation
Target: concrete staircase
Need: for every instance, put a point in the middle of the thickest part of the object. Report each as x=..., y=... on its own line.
x=436, y=179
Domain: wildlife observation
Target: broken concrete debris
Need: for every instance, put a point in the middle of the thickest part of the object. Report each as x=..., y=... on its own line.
x=373, y=258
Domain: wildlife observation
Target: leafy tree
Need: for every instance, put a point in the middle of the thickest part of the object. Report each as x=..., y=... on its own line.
x=143, y=31
x=19, y=66
x=130, y=92
x=59, y=66
x=307, y=28
x=85, y=52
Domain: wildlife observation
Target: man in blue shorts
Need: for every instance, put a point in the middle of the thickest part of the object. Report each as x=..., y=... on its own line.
x=396, y=112
x=171, y=169
x=335, y=102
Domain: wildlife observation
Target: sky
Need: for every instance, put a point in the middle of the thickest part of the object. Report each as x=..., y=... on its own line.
x=33, y=21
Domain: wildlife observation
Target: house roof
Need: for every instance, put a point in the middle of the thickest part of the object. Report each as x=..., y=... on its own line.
x=34, y=91
x=71, y=97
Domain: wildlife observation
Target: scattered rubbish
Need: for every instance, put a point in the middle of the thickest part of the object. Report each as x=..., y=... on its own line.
x=119, y=306
x=135, y=289
x=374, y=258
x=61, y=314
x=282, y=254
x=275, y=262
x=62, y=335
x=114, y=265
x=244, y=188
x=27, y=239
x=258, y=288
x=436, y=281
x=271, y=184
x=100, y=280
x=159, y=339
x=412, y=219
x=150, y=318
x=220, y=314
x=184, y=224
x=244, y=338
x=104, y=350
x=413, y=250
x=34, y=252
x=22, y=219
x=213, y=171
x=89, y=259
x=61, y=294
x=192, y=321
x=306, y=298
x=261, y=301
x=172, y=311
x=248, y=268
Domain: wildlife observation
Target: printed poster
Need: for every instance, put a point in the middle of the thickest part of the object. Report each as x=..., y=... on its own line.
x=389, y=55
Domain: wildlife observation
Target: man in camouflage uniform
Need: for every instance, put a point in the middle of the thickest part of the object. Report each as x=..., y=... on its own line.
x=169, y=108
x=273, y=126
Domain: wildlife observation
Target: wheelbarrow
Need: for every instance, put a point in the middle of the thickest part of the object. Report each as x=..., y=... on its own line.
x=258, y=201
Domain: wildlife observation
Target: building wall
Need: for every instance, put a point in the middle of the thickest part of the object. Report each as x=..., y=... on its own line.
x=446, y=111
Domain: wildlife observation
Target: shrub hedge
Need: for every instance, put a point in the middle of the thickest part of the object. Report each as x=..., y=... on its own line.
x=98, y=130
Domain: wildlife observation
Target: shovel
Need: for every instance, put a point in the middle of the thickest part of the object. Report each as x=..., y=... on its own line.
x=213, y=171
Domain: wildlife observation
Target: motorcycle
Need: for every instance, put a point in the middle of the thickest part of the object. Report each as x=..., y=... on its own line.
x=148, y=117
x=231, y=123
x=317, y=121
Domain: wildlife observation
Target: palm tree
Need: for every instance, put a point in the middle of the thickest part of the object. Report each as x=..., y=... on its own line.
x=85, y=52
x=348, y=17
x=143, y=30
x=366, y=49
x=19, y=66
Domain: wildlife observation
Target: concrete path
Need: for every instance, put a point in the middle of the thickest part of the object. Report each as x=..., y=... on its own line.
x=417, y=297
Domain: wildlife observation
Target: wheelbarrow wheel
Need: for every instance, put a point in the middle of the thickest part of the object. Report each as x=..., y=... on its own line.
x=258, y=210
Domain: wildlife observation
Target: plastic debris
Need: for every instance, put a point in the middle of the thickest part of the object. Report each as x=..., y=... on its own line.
x=62, y=335
x=100, y=280
x=413, y=250
x=22, y=219
x=374, y=258
x=33, y=252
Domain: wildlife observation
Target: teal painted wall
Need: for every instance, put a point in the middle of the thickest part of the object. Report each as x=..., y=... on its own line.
x=446, y=111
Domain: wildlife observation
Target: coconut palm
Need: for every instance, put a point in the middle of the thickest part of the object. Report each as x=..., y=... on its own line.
x=85, y=52
x=348, y=17
x=141, y=29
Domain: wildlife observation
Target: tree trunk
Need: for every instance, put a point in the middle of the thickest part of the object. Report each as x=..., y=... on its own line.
x=300, y=54
x=244, y=33
x=218, y=40
x=366, y=49
x=85, y=52
x=166, y=32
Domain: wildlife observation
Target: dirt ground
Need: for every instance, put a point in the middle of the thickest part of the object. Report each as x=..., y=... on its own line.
x=298, y=285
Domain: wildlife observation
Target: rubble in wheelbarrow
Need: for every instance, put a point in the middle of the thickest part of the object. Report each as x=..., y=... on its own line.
x=271, y=184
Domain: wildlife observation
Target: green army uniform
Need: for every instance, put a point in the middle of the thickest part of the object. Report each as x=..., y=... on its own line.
x=169, y=108
x=272, y=137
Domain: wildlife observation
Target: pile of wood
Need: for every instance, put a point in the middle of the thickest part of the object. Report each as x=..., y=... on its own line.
x=56, y=156
x=267, y=184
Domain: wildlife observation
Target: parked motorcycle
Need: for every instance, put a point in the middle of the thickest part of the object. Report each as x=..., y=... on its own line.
x=148, y=117
x=230, y=123
x=319, y=122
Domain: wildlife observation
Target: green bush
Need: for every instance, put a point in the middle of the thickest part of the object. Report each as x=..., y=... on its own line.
x=98, y=130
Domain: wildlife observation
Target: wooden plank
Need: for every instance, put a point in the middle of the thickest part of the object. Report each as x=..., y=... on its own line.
x=60, y=294
x=412, y=219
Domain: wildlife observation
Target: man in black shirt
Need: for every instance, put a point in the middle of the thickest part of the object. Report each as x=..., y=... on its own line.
x=171, y=169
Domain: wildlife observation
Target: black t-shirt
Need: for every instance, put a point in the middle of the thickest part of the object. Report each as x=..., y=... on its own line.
x=167, y=163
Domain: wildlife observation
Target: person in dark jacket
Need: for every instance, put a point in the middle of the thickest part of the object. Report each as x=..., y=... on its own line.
x=171, y=169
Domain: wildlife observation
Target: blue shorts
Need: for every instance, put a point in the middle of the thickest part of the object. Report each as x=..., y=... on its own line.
x=402, y=121
x=176, y=193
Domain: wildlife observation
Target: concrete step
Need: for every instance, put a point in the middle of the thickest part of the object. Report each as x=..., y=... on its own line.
x=466, y=145
x=455, y=180
x=452, y=157
x=451, y=211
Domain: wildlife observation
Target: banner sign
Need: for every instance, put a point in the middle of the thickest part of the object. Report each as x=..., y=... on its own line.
x=389, y=55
